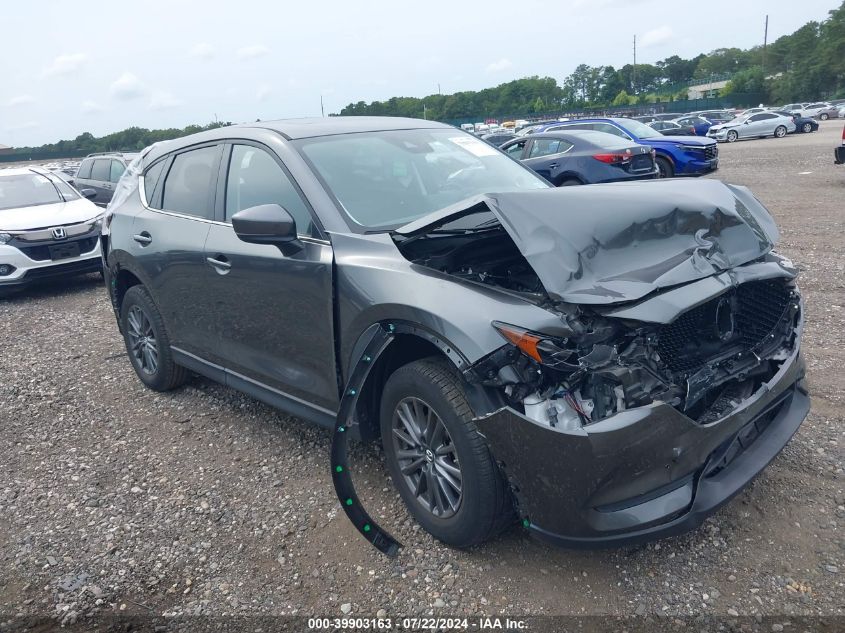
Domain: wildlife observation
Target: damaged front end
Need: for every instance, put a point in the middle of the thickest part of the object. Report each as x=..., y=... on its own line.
x=673, y=378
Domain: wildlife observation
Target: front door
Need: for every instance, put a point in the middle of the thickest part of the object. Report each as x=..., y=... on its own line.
x=273, y=311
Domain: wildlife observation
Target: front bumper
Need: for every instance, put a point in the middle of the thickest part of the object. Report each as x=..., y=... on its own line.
x=644, y=473
x=28, y=271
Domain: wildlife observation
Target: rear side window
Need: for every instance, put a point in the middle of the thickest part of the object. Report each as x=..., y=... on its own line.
x=255, y=178
x=101, y=169
x=187, y=187
x=85, y=169
x=151, y=179
x=546, y=146
x=117, y=169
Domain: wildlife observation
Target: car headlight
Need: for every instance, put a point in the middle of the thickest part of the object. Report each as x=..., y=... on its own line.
x=547, y=350
x=5, y=238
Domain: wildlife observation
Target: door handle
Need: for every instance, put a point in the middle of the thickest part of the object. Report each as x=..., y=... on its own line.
x=219, y=263
x=552, y=166
x=143, y=238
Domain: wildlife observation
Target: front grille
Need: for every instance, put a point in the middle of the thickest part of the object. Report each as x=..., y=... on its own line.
x=41, y=253
x=707, y=332
x=711, y=151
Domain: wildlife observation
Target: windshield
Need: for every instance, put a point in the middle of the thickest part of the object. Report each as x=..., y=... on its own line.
x=32, y=189
x=383, y=180
x=640, y=130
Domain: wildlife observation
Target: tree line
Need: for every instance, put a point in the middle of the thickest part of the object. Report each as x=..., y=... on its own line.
x=809, y=64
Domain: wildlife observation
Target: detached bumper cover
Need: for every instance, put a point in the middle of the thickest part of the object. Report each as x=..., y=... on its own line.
x=643, y=473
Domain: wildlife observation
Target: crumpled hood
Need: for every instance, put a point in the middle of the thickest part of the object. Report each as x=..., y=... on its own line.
x=603, y=244
x=48, y=215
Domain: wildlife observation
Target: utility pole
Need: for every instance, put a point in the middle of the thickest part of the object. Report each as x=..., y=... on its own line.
x=765, y=41
x=634, y=74
x=425, y=114
x=322, y=112
x=438, y=87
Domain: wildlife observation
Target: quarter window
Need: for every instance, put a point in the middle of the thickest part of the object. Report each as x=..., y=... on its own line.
x=187, y=187
x=101, y=169
x=255, y=178
x=151, y=179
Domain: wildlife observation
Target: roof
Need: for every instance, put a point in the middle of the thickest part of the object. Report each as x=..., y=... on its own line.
x=20, y=171
x=326, y=126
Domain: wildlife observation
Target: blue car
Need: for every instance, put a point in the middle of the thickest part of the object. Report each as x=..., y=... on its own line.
x=675, y=155
x=699, y=123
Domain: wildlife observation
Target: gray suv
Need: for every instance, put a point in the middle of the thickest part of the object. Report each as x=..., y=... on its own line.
x=101, y=172
x=608, y=364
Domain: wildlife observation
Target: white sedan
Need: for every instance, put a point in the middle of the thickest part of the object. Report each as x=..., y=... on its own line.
x=755, y=126
x=48, y=229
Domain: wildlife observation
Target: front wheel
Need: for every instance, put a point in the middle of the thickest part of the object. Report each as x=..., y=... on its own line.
x=733, y=135
x=438, y=460
x=664, y=167
x=569, y=182
x=824, y=117
x=147, y=342
x=806, y=128
x=780, y=131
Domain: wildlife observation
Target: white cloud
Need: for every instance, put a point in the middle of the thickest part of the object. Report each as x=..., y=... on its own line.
x=20, y=100
x=126, y=87
x=656, y=37
x=499, y=66
x=162, y=100
x=91, y=107
x=65, y=64
x=264, y=91
x=251, y=52
x=27, y=125
x=203, y=50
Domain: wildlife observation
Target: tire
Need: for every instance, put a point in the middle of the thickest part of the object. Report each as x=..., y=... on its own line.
x=143, y=328
x=664, y=167
x=733, y=136
x=569, y=182
x=824, y=116
x=780, y=131
x=482, y=506
x=806, y=128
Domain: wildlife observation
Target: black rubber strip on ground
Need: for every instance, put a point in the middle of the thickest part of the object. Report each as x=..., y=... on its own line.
x=341, y=475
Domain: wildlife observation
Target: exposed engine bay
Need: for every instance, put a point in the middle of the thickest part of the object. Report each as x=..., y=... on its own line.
x=704, y=363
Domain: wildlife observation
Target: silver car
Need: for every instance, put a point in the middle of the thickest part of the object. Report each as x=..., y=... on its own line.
x=820, y=111
x=754, y=126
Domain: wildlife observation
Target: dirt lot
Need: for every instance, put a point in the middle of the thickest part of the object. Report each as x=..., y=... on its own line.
x=117, y=499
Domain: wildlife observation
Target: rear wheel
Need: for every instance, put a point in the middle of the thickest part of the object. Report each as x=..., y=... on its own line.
x=147, y=342
x=807, y=128
x=438, y=460
x=733, y=135
x=780, y=131
x=664, y=167
x=569, y=182
x=824, y=116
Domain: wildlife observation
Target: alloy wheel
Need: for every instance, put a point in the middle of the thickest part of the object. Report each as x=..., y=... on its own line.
x=142, y=340
x=427, y=457
x=732, y=136
x=807, y=128
x=780, y=131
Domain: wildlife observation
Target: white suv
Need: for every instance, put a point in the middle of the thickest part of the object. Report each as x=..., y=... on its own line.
x=47, y=228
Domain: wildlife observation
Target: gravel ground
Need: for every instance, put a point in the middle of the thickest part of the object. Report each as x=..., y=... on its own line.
x=115, y=499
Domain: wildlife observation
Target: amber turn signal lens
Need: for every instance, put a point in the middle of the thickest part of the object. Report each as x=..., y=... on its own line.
x=523, y=339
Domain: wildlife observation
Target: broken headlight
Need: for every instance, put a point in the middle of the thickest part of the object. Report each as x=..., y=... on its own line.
x=549, y=351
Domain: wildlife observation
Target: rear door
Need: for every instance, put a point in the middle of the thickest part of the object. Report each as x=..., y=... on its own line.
x=546, y=156
x=99, y=181
x=168, y=238
x=272, y=311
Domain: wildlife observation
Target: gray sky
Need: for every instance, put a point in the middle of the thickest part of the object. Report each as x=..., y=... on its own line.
x=70, y=67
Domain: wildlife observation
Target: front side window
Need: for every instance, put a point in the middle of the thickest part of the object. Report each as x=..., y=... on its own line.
x=516, y=149
x=385, y=179
x=255, y=178
x=187, y=187
x=101, y=169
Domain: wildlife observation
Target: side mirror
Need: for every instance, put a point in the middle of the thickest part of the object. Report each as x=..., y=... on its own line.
x=88, y=194
x=265, y=224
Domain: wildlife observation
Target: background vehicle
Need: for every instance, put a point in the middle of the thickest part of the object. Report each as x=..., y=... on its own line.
x=699, y=124
x=802, y=123
x=716, y=116
x=820, y=111
x=498, y=138
x=47, y=228
x=670, y=128
x=399, y=298
x=792, y=107
x=101, y=173
x=583, y=157
x=749, y=111
x=675, y=156
x=754, y=126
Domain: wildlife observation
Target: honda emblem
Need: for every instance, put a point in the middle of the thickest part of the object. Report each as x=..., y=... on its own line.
x=59, y=233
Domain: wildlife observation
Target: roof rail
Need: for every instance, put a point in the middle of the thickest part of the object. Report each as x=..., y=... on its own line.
x=107, y=153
